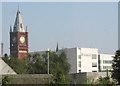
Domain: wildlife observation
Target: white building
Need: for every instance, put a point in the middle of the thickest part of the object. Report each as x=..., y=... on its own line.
x=86, y=59
x=105, y=61
x=82, y=59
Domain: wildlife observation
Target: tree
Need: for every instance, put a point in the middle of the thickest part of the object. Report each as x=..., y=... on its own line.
x=116, y=67
x=58, y=65
x=6, y=79
x=103, y=81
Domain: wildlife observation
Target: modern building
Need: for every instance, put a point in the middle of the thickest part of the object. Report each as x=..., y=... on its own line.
x=105, y=61
x=18, y=38
x=88, y=60
x=85, y=59
x=82, y=59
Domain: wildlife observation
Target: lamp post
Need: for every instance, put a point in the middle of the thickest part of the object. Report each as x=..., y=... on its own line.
x=48, y=60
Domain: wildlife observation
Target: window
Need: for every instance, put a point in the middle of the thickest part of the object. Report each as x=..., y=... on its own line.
x=79, y=56
x=94, y=56
x=107, y=61
x=107, y=67
x=21, y=25
x=94, y=71
x=79, y=63
x=94, y=64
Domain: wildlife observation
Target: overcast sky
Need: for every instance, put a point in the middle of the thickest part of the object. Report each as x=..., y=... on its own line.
x=72, y=24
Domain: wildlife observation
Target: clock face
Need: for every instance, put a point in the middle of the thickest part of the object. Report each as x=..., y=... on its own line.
x=14, y=39
x=22, y=39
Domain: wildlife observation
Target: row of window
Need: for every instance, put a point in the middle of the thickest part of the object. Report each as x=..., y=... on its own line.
x=107, y=67
x=92, y=71
x=107, y=61
x=94, y=56
x=94, y=64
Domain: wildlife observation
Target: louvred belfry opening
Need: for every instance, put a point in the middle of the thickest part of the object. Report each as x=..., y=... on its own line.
x=18, y=38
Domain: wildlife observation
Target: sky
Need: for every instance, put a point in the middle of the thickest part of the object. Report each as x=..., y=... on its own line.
x=71, y=24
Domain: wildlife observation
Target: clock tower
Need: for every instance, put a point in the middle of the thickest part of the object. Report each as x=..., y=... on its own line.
x=18, y=38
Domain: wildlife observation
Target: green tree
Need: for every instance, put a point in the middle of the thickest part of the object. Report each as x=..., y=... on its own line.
x=37, y=66
x=116, y=67
x=104, y=81
x=5, y=80
x=59, y=66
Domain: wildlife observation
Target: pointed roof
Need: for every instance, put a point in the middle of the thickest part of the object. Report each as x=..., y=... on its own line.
x=18, y=26
x=5, y=68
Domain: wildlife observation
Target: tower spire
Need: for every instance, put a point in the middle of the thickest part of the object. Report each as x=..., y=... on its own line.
x=18, y=26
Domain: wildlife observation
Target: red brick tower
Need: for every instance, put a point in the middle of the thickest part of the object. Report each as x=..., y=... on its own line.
x=18, y=38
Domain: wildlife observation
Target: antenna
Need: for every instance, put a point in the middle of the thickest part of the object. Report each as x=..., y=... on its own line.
x=18, y=9
x=18, y=6
x=1, y=49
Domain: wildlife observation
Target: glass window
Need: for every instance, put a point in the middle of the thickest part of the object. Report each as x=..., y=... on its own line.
x=79, y=56
x=107, y=67
x=94, y=64
x=79, y=63
x=107, y=61
x=94, y=71
x=94, y=56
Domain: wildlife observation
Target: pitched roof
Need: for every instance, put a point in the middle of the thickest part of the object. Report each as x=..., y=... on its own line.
x=5, y=68
x=18, y=26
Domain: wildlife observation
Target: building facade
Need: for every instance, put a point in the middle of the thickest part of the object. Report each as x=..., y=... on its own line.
x=105, y=61
x=18, y=38
x=85, y=59
x=88, y=60
x=82, y=59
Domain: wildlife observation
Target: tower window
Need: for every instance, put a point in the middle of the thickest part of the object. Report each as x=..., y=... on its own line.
x=94, y=56
x=21, y=25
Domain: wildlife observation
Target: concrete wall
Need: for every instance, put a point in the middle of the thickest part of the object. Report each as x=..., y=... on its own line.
x=87, y=77
x=78, y=78
x=72, y=58
x=29, y=79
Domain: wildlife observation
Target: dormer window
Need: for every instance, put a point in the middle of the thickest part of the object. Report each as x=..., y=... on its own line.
x=21, y=25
